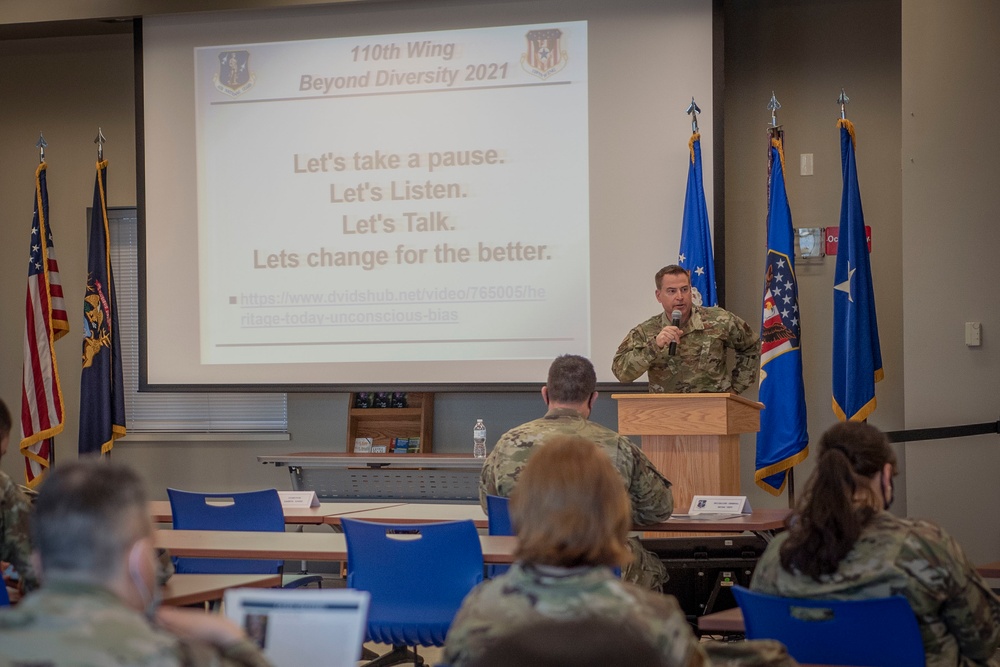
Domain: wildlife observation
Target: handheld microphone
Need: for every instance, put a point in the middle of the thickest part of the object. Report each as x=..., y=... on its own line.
x=675, y=321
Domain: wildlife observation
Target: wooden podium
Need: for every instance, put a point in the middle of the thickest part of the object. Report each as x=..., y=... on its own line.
x=693, y=439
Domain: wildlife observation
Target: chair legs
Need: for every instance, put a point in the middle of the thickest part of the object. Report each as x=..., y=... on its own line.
x=397, y=656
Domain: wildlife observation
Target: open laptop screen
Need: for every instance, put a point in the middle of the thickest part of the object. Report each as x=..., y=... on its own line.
x=304, y=626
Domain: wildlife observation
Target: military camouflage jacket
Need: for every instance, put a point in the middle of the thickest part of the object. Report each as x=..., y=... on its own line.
x=527, y=594
x=71, y=623
x=652, y=499
x=700, y=362
x=15, y=543
x=959, y=616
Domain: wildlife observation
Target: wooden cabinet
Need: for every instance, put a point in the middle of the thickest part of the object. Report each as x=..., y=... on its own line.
x=386, y=425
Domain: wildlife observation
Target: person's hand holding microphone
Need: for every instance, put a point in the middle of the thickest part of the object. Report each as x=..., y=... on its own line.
x=669, y=335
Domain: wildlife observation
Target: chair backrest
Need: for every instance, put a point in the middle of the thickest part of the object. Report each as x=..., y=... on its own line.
x=302, y=627
x=4, y=597
x=417, y=574
x=251, y=510
x=875, y=632
x=498, y=513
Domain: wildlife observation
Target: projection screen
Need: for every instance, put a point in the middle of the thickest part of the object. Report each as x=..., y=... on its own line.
x=411, y=194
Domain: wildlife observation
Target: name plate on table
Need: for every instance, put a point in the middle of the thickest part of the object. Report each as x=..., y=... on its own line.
x=296, y=499
x=713, y=508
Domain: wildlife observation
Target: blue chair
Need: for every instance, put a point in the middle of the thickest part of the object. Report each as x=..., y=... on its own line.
x=498, y=515
x=250, y=510
x=4, y=597
x=875, y=633
x=417, y=575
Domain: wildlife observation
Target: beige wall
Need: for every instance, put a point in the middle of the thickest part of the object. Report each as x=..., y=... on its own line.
x=66, y=88
x=926, y=180
x=951, y=204
x=806, y=52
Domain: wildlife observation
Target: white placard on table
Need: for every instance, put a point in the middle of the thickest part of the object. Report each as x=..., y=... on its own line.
x=304, y=499
x=709, y=508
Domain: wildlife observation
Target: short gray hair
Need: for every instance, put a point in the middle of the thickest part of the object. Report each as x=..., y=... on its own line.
x=88, y=513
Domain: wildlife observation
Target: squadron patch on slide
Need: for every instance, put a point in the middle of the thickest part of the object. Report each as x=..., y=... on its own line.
x=545, y=56
x=234, y=77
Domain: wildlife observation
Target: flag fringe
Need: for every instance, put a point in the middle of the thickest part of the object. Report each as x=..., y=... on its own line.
x=696, y=136
x=849, y=126
x=861, y=414
x=779, y=144
x=780, y=466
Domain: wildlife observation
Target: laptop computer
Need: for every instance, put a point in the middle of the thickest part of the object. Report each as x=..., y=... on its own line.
x=306, y=626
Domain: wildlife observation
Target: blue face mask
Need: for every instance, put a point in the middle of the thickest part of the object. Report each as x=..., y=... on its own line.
x=151, y=599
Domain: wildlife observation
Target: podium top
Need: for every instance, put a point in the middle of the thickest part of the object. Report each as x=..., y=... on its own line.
x=687, y=414
x=684, y=397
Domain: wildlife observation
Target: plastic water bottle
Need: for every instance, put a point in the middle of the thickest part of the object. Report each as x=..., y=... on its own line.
x=479, y=439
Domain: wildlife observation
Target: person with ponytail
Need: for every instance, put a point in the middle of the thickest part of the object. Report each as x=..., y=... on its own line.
x=843, y=544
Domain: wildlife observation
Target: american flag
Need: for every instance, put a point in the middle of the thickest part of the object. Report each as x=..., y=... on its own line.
x=45, y=322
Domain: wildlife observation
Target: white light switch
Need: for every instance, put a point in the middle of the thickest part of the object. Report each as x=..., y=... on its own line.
x=805, y=164
x=973, y=334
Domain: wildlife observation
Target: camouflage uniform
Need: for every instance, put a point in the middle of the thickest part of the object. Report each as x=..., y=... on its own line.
x=959, y=616
x=652, y=499
x=72, y=623
x=700, y=362
x=527, y=595
x=15, y=543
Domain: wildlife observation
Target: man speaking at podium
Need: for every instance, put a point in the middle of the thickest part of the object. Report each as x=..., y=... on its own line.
x=683, y=349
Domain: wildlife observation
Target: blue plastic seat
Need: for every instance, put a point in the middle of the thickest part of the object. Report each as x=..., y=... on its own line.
x=498, y=515
x=417, y=575
x=4, y=597
x=875, y=633
x=251, y=510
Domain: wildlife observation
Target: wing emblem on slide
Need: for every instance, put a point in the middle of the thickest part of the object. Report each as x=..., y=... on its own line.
x=234, y=77
x=545, y=55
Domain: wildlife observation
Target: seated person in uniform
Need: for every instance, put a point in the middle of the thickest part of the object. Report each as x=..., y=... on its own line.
x=572, y=515
x=569, y=394
x=842, y=544
x=15, y=542
x=588, y=641
x=98, y=604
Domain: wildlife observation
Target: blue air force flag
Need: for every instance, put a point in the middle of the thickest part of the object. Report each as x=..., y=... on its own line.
x=696, y=240
x=782, y=441
x=857, y=356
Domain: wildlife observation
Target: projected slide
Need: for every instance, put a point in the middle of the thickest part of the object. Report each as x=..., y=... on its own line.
x=406, y=197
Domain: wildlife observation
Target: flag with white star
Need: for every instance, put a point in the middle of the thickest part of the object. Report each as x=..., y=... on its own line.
x=696, y=240
x=857, y=355
x=782, y=441
x=45, y=322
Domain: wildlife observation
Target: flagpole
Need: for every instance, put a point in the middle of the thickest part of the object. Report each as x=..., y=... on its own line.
x=40, y=145
x=693, y=110
x=774, y=132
